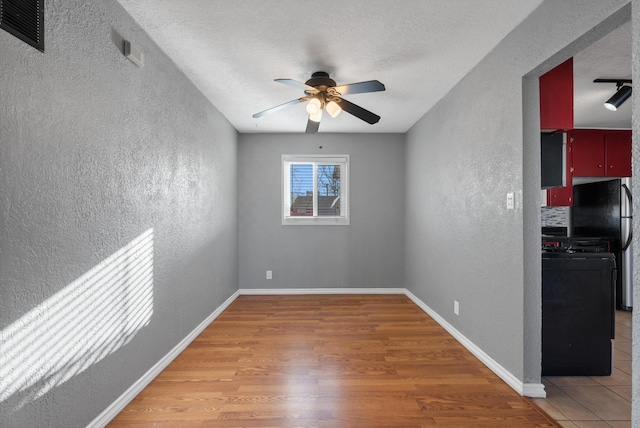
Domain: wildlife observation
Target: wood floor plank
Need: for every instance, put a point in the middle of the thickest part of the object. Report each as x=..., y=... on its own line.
x=327, y=361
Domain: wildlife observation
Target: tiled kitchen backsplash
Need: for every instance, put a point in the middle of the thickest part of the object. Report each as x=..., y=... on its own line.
x=555, y=216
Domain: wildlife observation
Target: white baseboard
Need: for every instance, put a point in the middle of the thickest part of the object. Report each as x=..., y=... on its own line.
x=121, y=402
x=534, y=390
x=306, y=291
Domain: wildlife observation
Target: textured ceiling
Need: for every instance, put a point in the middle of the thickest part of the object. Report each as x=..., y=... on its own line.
x=609, y=57
x=232, y=51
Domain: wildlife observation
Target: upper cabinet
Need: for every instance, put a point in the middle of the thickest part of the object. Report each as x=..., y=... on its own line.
x=588, y=155
x=563, y=196
x=601, y=153
x=592, y=153
x=618, y=153
x=552, y=159
x=556, y=98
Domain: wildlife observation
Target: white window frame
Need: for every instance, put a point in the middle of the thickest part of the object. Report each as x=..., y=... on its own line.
x=343, y=218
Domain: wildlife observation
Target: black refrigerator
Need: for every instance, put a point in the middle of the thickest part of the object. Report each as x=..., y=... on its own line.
x=603, y=209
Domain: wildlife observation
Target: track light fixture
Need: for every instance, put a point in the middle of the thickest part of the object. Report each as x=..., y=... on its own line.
x=618, y=98
x=621, y=95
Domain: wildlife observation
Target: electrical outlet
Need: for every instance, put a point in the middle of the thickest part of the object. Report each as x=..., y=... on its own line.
x=456, y=307
x=269, y=274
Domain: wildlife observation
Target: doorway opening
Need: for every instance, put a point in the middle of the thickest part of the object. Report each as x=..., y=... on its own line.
x=599, y=54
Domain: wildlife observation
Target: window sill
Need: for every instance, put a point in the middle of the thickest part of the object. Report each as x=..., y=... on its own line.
x=315, y=221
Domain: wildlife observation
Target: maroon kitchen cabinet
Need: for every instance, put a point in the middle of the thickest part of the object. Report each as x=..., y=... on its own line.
x=556, y=98
x=618, y=153
x=560, y=196
x=563, y=196
x=601, y=153
x=588, y=155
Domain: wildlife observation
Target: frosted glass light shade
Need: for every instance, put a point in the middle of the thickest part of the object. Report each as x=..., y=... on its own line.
x=316, y=117
x=314, y=106
x=333, y=109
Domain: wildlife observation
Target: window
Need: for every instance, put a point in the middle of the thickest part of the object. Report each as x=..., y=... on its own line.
x=315, y=190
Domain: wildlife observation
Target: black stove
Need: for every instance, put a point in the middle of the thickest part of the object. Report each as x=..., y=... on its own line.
x=557, y=244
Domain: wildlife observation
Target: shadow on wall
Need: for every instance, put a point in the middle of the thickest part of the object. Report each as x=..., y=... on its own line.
x=80, y=325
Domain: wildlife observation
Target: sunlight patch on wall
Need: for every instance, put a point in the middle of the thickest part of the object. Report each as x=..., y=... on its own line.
x=80, y=325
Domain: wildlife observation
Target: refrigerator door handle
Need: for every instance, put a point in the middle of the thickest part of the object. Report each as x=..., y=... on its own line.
x=628, y=241
x=627, y=207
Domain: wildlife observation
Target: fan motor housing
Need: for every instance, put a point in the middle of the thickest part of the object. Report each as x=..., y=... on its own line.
x=321, y=80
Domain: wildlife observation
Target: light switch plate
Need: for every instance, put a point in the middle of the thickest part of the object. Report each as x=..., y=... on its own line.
x=511, y=201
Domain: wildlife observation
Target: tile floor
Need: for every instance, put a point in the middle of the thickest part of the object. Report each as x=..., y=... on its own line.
x=595, y=401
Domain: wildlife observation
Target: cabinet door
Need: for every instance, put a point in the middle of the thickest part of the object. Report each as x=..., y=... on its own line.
x=556, y=97
x=618, y=153
x=563, y=196
x=588, y=153
x=560, y=196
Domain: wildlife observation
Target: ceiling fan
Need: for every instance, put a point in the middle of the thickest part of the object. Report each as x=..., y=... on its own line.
x=322, y=93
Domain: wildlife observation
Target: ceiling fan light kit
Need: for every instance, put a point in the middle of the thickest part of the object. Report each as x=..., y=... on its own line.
x=322, y=93
x=622, y=94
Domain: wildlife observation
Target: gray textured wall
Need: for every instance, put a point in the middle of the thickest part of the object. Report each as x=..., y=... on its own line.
x=94, y=152
x=462, y=159
x=635, y=121
x=367, y=253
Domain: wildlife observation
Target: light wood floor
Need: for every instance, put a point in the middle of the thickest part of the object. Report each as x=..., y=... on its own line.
x=595, y=401
x=327, y=361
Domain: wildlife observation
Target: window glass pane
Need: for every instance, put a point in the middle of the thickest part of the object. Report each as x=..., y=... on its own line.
x=328, y=190
x=315, y=190
x=301, y=189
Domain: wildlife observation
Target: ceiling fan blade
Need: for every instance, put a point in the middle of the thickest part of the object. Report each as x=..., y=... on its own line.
x=359, y=88
x=312, y=127
x=357, y=111
x=297, y=84
x=280, y=107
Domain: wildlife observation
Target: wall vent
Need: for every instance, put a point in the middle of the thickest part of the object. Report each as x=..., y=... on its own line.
x=25, y=20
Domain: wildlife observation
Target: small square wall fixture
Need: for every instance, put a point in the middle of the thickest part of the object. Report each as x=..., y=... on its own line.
x=134, y=54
